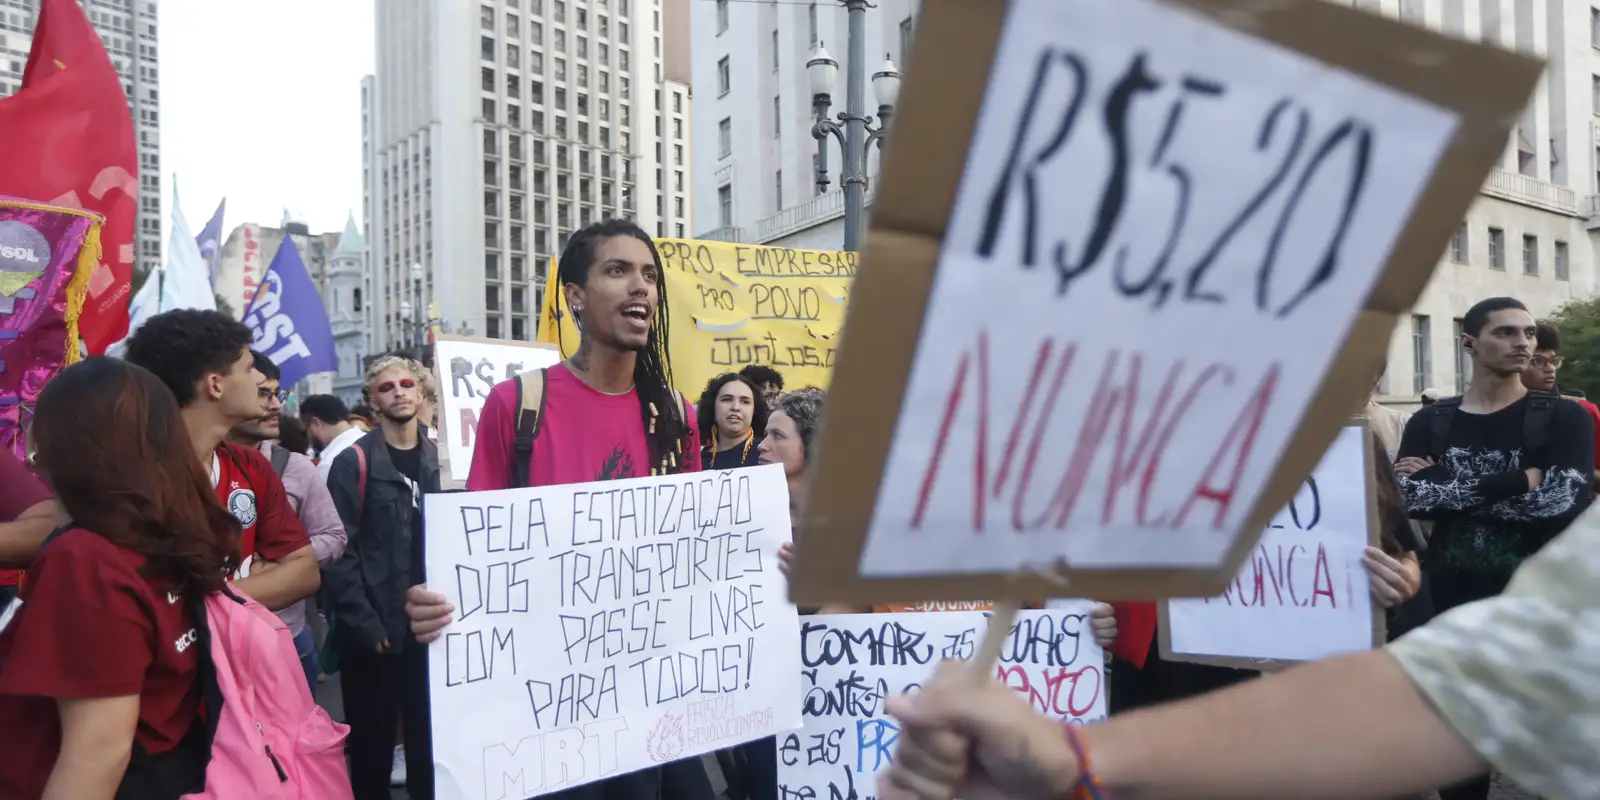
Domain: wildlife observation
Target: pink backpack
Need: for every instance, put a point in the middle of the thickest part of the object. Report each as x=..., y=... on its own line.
x=270, y=740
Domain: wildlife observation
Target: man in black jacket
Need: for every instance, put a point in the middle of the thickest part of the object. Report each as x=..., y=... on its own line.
x=377, y=485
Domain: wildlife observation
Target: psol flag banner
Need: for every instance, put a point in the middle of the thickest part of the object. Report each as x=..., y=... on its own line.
x=47, y=255
x=734, y=305
x=288, y=320
x=68, y=140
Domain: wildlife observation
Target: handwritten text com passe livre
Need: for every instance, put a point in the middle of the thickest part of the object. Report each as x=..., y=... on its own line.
x=1155, y=255
x=852, y=663
x=733, y=305
x=605, y=628
x=467, y=371
x=1303, y=594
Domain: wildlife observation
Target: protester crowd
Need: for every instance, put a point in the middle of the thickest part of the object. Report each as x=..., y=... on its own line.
x=172, y=477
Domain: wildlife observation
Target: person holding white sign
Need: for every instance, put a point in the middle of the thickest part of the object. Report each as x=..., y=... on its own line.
x=1508, y=682
x=608, y=412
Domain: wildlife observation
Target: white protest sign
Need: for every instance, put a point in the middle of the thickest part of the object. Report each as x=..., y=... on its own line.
x=1163, y=233
x=605, y=628
x=852, y=662
x=1303, y=594
x=467, y=370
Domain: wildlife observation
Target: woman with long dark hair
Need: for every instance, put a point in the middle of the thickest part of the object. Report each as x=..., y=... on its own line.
x=733, y=418
x=99, y=663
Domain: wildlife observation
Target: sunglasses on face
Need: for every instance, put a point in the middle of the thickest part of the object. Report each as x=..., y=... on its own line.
x=1553, y=362
x=389, y=386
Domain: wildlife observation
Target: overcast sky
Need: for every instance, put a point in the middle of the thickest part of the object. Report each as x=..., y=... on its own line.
x=261, y=103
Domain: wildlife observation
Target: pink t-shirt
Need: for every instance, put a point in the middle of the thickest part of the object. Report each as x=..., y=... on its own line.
x=586, y=435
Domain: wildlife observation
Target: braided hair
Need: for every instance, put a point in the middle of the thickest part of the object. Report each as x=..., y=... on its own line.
x=666, y=429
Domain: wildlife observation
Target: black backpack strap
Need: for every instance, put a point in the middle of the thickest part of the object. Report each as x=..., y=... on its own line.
x=531, y=388
x=1536, y=421
x=1440, y=415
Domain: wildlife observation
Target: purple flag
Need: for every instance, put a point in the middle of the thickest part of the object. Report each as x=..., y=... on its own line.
x=210, y=241
x=288, y=320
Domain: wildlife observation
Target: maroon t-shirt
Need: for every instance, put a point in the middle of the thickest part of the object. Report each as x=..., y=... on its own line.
x=586, y=435
x=253, y=493
x=20, y=490
x=90, y=626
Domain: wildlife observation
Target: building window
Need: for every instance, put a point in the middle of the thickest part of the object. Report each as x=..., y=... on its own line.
x=1562, y=269
x=486, y=79
x=724, y=77
x=777, y=115
x=1458, y=244
x=1497, y=248
x=725, y=138
x=486, y=17
x=1594, y=85
x=906, y=32
x=722, y=15
x=1594, y=27
x=1530, y=255
x=725, y=206
x=486, y=49
x=492, y=327
x=777, y=191
x=1463, y=364
x=811, y=22
x=1421, y=354
x=677, y=155
x=774, y=49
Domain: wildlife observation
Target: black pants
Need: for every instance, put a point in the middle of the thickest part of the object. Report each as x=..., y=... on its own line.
x=1162, y=681
x=380, y=691
x=1451, y=588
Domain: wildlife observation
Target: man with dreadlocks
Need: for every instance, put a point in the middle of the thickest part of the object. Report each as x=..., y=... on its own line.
x=607, y=412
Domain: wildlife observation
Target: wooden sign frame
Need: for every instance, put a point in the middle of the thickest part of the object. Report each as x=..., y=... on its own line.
x=941, y=100
x=440, y=376
x=1380, y=629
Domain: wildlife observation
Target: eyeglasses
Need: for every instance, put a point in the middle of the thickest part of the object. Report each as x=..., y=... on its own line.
x=1553, y=362
x=264, y=394
x=389, y=386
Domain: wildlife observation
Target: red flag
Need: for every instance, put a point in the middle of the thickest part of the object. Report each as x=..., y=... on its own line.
x=1136, y=629
x=67, y=137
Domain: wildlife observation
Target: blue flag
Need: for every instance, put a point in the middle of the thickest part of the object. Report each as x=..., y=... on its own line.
x=288, y=320
x=210, y=241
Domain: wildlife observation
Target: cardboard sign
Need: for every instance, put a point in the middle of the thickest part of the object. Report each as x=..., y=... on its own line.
x=605, y=628
x=1303, y=593
x=466, y=370
x=851, y=663
x=734, y=305
x=1110, y=346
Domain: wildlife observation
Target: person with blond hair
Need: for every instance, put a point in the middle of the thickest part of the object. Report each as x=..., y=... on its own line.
x=377, y=484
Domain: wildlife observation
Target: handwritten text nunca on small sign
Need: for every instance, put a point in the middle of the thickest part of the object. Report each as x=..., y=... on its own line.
x=607, y=627
x=1164, y=231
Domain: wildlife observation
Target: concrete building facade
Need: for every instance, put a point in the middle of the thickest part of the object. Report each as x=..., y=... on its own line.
x=128, y=28
x=493, y=130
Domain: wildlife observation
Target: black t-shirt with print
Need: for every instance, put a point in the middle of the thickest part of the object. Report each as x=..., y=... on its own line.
x=1486, y=521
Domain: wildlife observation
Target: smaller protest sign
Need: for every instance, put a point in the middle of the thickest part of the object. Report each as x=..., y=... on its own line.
x=467, y=369
x=1303, y=593
x=606, y=628
x=851, y=663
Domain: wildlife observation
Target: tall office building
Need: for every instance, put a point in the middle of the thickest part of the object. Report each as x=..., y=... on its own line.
x=493, y=130
x=128, y=29
x=755, y=160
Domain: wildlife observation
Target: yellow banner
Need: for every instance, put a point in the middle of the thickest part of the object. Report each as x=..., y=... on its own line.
x=738, y=304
